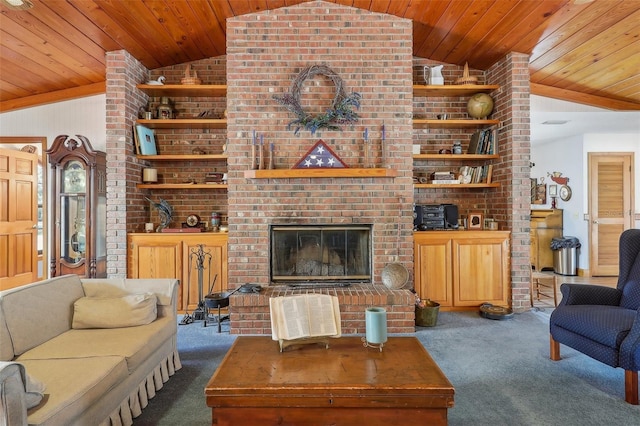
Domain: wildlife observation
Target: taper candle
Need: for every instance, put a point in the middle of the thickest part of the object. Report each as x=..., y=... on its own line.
x=253, y=154
x=261, y=153
x=376, y=325
x=270, y=164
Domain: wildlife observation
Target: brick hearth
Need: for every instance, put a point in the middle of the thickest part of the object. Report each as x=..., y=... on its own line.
x=250, y=312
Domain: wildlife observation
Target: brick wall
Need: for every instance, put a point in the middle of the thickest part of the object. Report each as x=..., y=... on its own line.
x=125, y=206
x=513, y=203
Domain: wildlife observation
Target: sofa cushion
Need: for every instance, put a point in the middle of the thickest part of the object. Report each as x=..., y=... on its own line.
x=114, y=312
x=73, y=385
x=22, y=306
x=6, y=346
x=607, y=325
x=134, y=343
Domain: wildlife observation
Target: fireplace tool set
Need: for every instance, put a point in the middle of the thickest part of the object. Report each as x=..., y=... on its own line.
x=201, y=259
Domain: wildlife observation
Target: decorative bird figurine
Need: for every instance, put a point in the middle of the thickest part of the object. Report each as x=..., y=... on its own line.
x=164, y=211
x=159, y=82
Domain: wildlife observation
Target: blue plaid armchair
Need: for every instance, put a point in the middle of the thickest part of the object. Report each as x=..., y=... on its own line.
x=604, y=322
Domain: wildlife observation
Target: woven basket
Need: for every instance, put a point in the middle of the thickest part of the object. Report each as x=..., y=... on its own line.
x=466, y=78
x=188, y=79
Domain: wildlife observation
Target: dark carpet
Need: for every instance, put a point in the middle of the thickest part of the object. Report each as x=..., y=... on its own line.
x=501, y=372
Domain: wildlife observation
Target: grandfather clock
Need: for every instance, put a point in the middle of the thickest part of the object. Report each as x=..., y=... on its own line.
x=78, y=179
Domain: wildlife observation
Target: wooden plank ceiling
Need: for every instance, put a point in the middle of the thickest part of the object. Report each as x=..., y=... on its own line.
x=581, y=50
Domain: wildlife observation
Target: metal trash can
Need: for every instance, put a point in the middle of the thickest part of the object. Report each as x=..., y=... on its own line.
x=565, y=256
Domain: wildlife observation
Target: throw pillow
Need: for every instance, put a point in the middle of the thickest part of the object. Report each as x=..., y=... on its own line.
x=115, y=312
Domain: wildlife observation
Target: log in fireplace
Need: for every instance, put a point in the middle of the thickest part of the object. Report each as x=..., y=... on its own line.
x=320, y=254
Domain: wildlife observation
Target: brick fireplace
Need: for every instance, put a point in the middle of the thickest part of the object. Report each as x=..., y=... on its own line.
x=372, y=54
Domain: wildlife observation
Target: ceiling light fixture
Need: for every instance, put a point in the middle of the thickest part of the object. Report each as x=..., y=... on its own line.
x=18, y=4
x=555, y=122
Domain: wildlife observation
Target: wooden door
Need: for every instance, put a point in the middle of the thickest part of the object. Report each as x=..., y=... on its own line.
x=610, y=208
x=481, y=270
x=18, y=218
x=214, y=262
x=433, y=268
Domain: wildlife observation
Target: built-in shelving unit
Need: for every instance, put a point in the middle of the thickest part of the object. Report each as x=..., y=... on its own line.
x=183, y=157
x=183, y=91
x=184, y=123
x=453, y=124
x=456, y=185
x=452, y=157
x=181, y=186
x=454, y=91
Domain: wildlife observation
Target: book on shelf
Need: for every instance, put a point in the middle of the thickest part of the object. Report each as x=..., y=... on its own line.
x=483, y=142
x=442, y=176
x=444, y=181
x=304, y=316
x=478, y=174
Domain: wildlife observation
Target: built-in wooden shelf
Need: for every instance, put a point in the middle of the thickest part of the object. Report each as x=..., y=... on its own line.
x=183, y=157
x=320, y=173
x=184, y=123
x=452, y=90
x=184, y=90
x=453, y=124
x=456, y=185
x=181, y=186
x=450, y=157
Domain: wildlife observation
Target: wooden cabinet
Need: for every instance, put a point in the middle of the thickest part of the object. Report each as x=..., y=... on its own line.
x=462, y=269
x=546, y=224
x=78, y=177
x=475, y=160
x=166, y=255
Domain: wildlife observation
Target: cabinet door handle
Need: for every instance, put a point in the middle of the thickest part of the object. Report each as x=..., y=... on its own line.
x=595, y=221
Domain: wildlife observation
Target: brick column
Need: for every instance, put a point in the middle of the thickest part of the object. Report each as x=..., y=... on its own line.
x=125, y=207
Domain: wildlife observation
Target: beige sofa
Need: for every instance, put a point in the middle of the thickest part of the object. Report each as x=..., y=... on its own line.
x=59, y=333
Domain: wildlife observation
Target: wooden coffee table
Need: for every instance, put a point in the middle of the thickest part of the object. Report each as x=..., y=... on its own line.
x=346, y=384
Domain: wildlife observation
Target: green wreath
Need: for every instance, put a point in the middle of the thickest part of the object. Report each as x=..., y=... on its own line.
x=341, y=111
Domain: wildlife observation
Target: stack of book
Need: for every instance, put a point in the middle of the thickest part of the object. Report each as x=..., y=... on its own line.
x=213, y=177
x=443, y=178
x=478, y=174
x=483, y=142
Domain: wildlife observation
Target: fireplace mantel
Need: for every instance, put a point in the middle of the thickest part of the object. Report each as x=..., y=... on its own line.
x=320, y=173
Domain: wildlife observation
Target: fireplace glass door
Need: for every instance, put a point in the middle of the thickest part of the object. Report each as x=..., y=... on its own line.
x=320, y=254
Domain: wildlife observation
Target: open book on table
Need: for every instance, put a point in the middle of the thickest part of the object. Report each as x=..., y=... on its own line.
x=304, y=316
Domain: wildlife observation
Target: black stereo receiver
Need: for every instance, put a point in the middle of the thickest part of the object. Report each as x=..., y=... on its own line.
x=430, y=217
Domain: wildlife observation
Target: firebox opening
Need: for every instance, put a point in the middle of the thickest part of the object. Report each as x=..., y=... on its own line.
x=320, y=254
